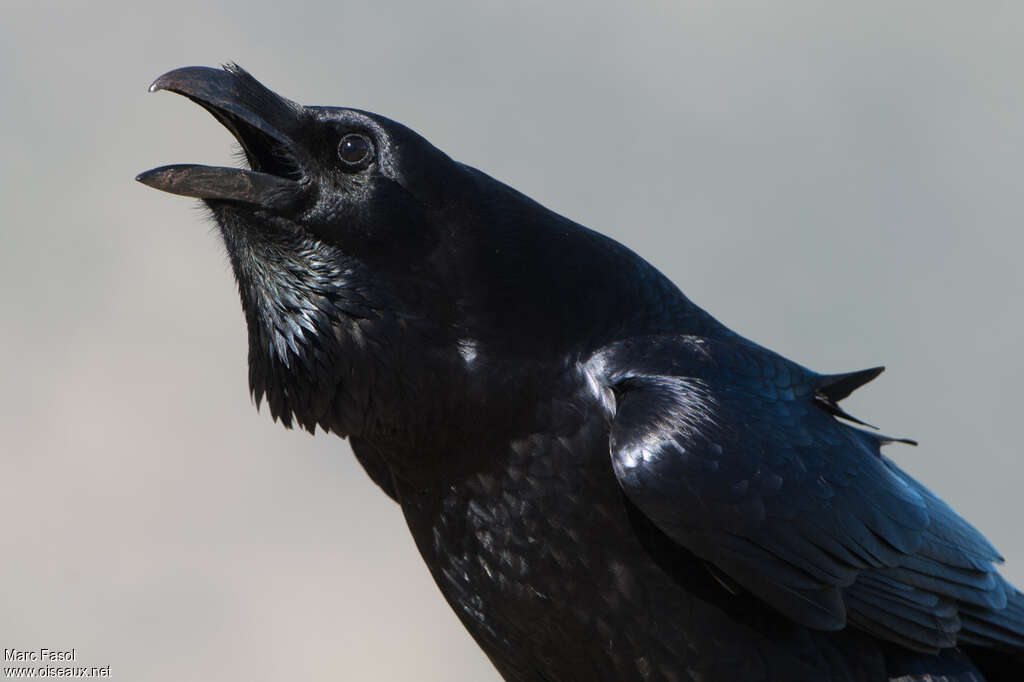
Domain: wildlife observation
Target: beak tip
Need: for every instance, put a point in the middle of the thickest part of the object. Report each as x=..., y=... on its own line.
x=151, y=178
x=161, y=82
x=176, y=79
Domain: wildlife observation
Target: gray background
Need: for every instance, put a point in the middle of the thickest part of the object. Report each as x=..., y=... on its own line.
x=841, y=185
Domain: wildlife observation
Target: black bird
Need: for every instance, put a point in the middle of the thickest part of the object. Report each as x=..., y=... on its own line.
x=605, y=482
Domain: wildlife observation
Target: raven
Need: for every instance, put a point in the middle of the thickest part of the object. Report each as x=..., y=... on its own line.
x=605, y=482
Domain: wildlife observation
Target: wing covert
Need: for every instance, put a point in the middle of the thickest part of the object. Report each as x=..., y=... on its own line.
x=721, y=445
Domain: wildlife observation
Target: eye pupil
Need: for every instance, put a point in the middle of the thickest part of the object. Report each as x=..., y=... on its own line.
x=354, y=149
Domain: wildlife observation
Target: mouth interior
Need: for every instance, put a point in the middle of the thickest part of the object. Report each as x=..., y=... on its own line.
x=263, y=153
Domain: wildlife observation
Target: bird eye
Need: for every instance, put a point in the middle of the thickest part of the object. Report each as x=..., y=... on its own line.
x=354, y=149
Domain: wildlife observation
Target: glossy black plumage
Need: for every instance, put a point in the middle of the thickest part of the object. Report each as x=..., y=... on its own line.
x=604, y=481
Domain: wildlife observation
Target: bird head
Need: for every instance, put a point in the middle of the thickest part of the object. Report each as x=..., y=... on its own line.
x=332, y=233
x=387, y=288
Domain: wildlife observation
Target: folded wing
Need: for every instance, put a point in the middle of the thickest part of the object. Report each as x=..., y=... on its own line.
x=736, y=453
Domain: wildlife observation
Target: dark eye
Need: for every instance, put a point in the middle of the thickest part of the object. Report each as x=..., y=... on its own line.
x=355, y=149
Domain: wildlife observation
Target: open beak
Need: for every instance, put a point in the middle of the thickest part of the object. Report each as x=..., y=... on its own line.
x=262, y=122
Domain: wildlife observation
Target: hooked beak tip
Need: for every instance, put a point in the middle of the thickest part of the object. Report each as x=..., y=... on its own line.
x=162, y=81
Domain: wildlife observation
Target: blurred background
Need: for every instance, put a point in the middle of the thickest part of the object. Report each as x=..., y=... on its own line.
x=842, y=185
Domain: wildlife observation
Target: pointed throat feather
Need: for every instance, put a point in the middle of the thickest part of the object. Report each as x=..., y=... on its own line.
x=310, y=316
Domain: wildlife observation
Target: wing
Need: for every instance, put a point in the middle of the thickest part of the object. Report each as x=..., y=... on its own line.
x=735, y=453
